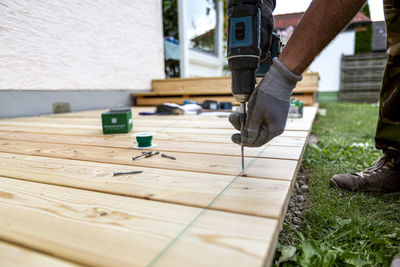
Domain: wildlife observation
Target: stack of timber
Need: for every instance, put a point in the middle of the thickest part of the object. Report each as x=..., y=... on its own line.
x=361, y=77
x=176, y=90
x=60, y=204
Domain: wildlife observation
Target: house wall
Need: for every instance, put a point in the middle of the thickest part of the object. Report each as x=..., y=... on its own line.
x=22, y=103
x=328, y=63
x=80, y=44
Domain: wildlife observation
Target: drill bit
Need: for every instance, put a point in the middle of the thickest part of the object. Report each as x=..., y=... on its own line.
x=243, y=109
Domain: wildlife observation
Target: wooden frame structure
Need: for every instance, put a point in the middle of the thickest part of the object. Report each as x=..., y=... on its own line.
x=176, y=90
x=60, y=204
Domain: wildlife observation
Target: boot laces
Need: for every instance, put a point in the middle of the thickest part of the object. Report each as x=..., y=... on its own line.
x=383, y=163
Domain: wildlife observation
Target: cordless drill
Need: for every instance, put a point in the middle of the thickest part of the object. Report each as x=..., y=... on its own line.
x=250, y=27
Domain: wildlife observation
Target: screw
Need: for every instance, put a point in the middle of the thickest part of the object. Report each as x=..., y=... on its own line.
x=143, y=154
x=152, y=154
x=167, y=156
x=122, y=173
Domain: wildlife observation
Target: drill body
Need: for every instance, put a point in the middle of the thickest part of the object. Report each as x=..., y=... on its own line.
x=250, y=26
x=244, y=50
x=251, y=44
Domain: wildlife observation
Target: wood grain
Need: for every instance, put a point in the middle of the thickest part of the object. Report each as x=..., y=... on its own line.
x=148, y=125
x=186, y=188
x=106, y=230
x=218, y=85
x=125, y=140
x=13, y=256
x=228, y=149
x=58, y=195
x=215, y=164
x=218, y=137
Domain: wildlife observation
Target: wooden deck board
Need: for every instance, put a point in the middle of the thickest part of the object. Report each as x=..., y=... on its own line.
x=210, y=163
x=185, y=188
x=291, y=151
x=56, y=177
x=125, y=141
x=106, y=230
x=147, y=125
x=12, y=255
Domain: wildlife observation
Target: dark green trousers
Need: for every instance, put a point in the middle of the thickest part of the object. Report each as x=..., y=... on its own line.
x=388, y=130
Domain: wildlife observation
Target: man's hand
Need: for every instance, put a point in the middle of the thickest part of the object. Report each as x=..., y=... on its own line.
x=267, y=108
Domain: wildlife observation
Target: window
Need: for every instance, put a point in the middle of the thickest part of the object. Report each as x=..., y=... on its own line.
x=200, y=34
x=201, y=25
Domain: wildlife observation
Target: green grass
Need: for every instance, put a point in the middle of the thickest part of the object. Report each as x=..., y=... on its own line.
x=343, y=228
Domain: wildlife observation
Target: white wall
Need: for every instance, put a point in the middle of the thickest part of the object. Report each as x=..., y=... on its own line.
x=327, y=64
x=80, y=44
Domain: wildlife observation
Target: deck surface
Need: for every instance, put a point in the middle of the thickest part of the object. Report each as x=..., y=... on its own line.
x=60, y=204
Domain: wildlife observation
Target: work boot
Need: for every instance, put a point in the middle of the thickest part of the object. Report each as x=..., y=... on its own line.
x=396, y=261
x=382, y=177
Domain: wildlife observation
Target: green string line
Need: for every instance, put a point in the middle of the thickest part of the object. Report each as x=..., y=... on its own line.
x=148, y=142
x=162, y=252
x=168, y=125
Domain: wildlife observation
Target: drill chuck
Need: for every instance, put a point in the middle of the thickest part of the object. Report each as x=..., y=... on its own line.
x=243, y=83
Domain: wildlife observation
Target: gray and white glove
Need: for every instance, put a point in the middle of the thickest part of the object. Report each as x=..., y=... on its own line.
x=268, y=107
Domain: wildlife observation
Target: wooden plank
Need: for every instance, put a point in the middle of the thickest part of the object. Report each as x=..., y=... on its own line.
x=218, y=85
x=260, y=197
x=219, y=137
x=96, y=114
x=229, y=149
x=91, y=125
x=13, y=255
x=106, y=230
x=204, y=85
x=176, y=90
x=155, y=121
x=307, y=98
x=215, y=164
x=125, y=141
x=209, y=127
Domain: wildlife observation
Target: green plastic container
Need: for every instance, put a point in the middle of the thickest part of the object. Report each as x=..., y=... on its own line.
x=117, y=120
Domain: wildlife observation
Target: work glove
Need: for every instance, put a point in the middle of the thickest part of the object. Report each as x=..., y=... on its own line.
x=268, y=107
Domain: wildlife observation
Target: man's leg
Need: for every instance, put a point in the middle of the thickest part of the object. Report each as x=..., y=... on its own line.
x=384, y=175
x=388, y=130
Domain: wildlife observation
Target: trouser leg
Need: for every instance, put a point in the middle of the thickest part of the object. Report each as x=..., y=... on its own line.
x=388, y=130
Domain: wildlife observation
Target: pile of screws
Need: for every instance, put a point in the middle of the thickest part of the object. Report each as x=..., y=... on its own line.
x=152, y=153
x=145, y=155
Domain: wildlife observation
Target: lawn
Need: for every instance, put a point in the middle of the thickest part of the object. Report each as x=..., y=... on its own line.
x=342, y=228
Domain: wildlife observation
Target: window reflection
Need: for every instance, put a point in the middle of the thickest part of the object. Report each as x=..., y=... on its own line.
x=202, y=16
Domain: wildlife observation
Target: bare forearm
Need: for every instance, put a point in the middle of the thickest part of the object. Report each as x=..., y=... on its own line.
x=323, y=20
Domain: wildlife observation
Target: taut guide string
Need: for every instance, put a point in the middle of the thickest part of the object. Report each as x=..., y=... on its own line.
x=162, y=252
